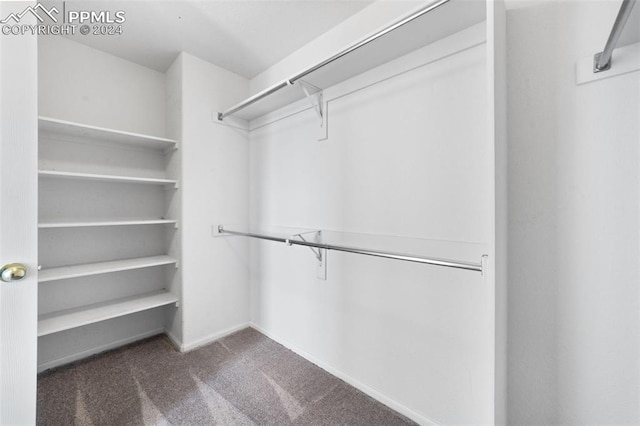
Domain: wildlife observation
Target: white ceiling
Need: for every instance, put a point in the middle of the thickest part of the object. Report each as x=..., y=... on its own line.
x=243, y=36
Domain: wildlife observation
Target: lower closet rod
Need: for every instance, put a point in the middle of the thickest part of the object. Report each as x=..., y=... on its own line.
x=387, y=255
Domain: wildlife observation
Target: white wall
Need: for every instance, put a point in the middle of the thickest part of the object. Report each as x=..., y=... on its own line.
x=398, y=162
x=498, y=265
x=85, y=85
x=215, y=186
x=573, y=236
x=173, y=204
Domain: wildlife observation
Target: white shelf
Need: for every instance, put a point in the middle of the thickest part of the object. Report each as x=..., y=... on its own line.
x=112, y=222
x=445, y=20
x=72, y=318
x=86, y=133
x=87, y=269
x=105, y=178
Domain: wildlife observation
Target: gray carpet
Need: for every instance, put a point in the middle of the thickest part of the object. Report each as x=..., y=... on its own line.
x=242, y=379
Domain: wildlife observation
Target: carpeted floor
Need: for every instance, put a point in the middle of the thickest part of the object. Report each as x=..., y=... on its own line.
x=242, y=379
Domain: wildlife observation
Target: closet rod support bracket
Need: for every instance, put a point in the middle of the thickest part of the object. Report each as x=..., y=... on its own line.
x=314, y=95
x=319, y=252
x=316, y=99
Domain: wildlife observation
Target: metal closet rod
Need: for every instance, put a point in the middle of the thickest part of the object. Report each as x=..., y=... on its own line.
x=387, y=255
x=602, y=60
x=431, y=6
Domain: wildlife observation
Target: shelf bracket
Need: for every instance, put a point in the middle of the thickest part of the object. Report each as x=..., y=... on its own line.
x=315, y=97
x=319, y=253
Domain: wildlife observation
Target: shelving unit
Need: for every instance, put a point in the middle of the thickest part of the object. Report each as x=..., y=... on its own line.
x=93, y=179
x=78, y=317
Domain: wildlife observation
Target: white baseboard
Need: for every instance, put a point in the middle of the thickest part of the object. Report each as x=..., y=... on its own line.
x=182, y=347
x=378, y=396
x=188, y=346
x=175, y=342
x=98, y=349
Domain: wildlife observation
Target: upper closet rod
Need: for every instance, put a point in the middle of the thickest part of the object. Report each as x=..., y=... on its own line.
x=431, y=6
x=602, y=60
x=426, y=260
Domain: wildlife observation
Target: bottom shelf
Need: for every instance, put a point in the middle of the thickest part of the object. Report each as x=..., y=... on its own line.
x=77, y=317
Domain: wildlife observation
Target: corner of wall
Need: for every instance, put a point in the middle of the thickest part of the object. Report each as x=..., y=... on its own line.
x=215, y=182
x=174, y=166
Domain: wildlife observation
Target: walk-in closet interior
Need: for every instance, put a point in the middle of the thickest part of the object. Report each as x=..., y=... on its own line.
x=349, y=212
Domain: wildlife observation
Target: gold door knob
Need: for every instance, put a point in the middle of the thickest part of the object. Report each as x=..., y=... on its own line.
x=13, y=272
